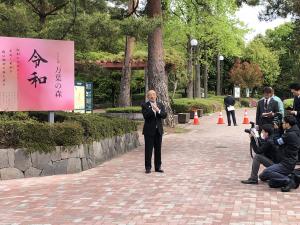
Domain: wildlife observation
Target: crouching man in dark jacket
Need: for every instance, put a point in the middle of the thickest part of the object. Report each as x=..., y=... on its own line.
x=266, y=153
x=278, y=174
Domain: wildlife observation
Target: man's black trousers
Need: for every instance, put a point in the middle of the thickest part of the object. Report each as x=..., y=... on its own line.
x=150, y=143
x=232, y=113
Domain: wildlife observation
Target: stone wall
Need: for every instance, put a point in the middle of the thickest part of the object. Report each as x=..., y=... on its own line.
x=15, y=163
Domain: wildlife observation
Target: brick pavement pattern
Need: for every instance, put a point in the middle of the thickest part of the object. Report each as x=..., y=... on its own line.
x=201, y=185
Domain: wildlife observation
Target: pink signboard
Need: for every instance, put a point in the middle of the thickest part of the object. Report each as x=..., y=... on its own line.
x=36, y=75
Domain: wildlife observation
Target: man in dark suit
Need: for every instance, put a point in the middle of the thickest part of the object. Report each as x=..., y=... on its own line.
x=295, y=89
x=267, y=108
x=153, y=113
x=229, y=103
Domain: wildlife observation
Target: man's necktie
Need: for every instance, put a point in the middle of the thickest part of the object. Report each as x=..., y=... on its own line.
x=266, y=105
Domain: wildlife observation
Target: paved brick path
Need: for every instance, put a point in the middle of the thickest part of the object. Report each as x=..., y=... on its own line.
x=201, y=186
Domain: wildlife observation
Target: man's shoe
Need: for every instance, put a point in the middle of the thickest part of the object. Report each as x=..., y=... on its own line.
x=148, y=171
x=235, y=125
x=249, y=181
x=159, y=171
x=287, y=188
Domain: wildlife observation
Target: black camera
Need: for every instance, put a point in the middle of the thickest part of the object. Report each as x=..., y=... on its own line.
x=252, y=127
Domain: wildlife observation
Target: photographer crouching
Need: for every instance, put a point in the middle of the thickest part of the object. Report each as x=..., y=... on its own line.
x=280, y=174
x=265, y=149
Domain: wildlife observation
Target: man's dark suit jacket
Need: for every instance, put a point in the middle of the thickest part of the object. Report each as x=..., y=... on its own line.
x=272, y=107
x=229, y=101
x=296, y=107
x=151, y=121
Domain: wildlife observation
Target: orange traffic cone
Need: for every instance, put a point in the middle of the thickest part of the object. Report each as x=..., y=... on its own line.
x=246, y=118
x=220, y=120
x=196, y=119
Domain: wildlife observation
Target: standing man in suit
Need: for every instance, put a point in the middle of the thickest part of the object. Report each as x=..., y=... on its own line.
x=280, y=103
x=229, y=103
x=153, y=113
x=266, y=108
x=295, y=89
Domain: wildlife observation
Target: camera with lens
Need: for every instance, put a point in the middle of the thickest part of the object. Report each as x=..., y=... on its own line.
x=251, y=129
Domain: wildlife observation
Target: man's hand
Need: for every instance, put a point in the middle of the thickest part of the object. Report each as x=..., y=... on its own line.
x=155, y=108
x=294, y=113
x=269, y=114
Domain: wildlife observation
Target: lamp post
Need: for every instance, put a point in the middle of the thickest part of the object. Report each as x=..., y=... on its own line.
x=220, y=58
x=194, y=44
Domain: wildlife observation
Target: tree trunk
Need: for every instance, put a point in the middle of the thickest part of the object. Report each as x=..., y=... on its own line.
x=190, y=83
x=146, y=79
x=42, y=15
x=124, y=97
x=174, y=88
x=156, y=64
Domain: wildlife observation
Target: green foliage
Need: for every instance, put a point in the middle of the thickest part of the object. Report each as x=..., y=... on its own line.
x=256, y=52
x=139, y=27
x=288, y=103
x=248, y=102
x=186, y=105
x=73, y=129
x=36, y=136
x=171, y=56
x=282, y=40
x=10, y=22
x=132, y=109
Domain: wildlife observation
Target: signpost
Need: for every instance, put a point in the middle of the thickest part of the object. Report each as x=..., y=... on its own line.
x=88, y=97
x=83, y=99
x=36, y=75
x=237, y=92
x=79, y=97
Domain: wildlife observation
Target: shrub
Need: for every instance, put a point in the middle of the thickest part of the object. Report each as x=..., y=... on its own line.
x=133, y=109
x=186, y=105
x=73, y=129
x=97, y=127
x=288, y=103
x=14, y=116
x=34, y=135
x=245, y=102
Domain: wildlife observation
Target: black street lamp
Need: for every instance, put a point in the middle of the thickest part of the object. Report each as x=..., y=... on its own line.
x=220, y=58
x=194, y=44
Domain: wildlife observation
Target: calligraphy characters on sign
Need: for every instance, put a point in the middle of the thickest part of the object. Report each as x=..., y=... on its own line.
x=36, y=58
x=35, y=79
x=58, y=80
x=3, y=67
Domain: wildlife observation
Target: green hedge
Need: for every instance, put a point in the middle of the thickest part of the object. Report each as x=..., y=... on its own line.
x=73, y=129
x=186, y=105
x=248, y=102
x=34, y=135
x=141, y=97
x=133, y=109
x=288, y=103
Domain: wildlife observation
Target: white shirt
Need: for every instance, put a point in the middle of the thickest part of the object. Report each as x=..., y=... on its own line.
x=155, y=104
